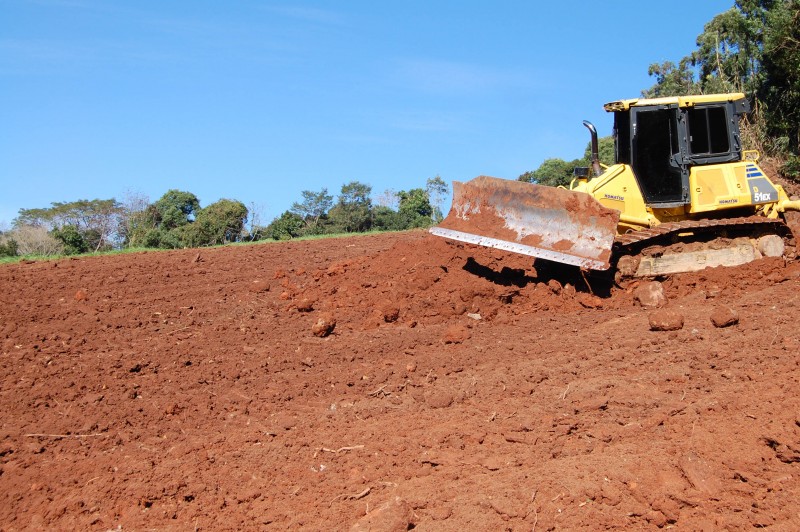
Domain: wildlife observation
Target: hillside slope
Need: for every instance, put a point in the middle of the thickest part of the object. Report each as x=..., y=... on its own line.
x=188, y=390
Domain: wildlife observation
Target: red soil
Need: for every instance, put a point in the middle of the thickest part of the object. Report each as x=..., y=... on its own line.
x=461, y=388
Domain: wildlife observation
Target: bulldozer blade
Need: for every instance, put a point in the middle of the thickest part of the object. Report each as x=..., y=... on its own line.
x=546, y=222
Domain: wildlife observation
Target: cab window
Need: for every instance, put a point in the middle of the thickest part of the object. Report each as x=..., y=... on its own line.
x=708, y=131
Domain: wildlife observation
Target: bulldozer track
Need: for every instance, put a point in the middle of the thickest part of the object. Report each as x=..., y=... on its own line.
x=653, y=233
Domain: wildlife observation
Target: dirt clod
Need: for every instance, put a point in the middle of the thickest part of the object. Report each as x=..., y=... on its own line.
x=439, y=399
x=259, y=286
x=724, y=316
x=324, y=325
x=390, y=313
x=394, y=515
x=306, y=305
x=554, y=286
x=665, y=320
x=455, y=334
x=650, y=294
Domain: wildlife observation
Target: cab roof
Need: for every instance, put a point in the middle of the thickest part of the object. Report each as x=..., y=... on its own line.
x=680, y=101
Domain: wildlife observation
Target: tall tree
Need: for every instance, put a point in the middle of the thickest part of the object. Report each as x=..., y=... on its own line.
x=352, y=212
x=285, y=227
x=176, y=208
x=436, y=189
x=313, y=208
x=671, y=79
x=219, y=223
x=137, y=218
x=780, y=91
x=415, y=208
x=729, y=50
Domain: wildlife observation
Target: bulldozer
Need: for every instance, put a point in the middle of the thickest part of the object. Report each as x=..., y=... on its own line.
x=682, y=195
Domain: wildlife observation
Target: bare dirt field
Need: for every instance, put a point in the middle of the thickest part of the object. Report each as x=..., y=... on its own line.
x=460, y=388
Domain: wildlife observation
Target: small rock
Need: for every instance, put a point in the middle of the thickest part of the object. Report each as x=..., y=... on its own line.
x=713, y=291
x=324, y=326
x=395, y=515
x=441, y=513
x=666, y=320
x=439, y=399
x=589, y=300
x=284, y=421
x=455, y=334
x=554, y=286
x=493, y=463
x=724, y=317
x=306, y=305
x=390, y=313
x=569, y=291
x=259, y=286
x=80, y=295
x=650, y=294
x=771, y=246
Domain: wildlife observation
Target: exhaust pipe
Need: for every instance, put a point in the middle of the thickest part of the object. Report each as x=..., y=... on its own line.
x=595, y=148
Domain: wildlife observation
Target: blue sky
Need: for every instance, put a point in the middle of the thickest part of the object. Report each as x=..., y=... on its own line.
x=260, y=100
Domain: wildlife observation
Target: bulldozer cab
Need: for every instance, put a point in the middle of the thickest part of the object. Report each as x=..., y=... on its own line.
x=661, y=139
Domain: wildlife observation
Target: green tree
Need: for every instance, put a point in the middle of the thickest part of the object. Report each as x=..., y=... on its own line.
x=176, y=208
x=8, y=246
x=728, y=57
x=285, y=227
x=671, y=79
x=73, y=240
x=313, y=209
x=387, y=219
x=780, y=91
x=219, y=223
x=605, y=149
x=728, y=52
x=352, y=212
x=415, y=208
x=556, y=172
x=553, y=172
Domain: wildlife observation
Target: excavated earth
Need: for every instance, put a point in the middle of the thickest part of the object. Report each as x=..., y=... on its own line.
x=460, y=388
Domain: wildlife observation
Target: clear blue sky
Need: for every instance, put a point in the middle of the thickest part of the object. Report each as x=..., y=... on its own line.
x=259, y=100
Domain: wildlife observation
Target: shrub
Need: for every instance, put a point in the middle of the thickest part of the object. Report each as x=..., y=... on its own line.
x=34, y=240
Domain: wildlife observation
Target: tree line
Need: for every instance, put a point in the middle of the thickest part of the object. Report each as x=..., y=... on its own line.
x=754, y=48
x=177, y=220
x=355, y=211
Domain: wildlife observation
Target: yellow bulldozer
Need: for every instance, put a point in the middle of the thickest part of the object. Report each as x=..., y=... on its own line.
x=682, y=195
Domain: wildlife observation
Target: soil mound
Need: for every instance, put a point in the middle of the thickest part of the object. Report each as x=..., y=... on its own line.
x=428, y=280
x=394, y=380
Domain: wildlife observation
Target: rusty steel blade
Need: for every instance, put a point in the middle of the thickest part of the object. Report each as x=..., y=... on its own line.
x=546, y=222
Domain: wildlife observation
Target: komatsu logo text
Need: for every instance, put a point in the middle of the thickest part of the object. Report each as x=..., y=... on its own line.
x=728, y=201
x=614, y=197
